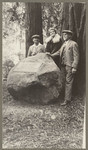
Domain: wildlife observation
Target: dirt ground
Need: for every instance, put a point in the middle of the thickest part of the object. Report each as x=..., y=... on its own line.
x=34, y=126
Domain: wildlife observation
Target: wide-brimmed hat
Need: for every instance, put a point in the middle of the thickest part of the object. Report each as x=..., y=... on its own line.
x=67, y=31
x=35, y=36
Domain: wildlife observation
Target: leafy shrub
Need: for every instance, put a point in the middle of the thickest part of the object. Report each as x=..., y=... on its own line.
x=6, y=67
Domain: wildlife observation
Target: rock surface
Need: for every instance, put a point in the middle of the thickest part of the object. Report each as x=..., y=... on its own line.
x=36, y=79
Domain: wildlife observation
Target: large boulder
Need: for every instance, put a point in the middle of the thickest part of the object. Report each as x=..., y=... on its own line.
x=36, y=79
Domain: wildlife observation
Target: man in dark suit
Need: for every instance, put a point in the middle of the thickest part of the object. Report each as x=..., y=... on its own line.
x=69, y=56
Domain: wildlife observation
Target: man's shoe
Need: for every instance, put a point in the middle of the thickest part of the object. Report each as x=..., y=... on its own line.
x=65, y=103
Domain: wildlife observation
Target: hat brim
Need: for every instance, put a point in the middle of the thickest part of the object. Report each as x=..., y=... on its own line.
x=36, y=36
x=67, y=31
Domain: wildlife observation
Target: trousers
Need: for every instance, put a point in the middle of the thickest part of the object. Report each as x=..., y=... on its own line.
x=68, y=78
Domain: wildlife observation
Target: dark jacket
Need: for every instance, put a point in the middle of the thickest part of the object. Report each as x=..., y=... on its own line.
x=53, y=45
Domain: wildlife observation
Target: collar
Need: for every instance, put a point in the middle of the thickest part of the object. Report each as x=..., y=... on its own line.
x=67, y=41
x=37, y=45
x=56, y=39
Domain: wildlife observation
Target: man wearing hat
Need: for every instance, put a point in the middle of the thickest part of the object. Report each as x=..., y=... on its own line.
x=69, y=56
x=37, y=47
x=53, y=43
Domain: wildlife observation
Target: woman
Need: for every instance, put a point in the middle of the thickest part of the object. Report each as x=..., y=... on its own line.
x=53, y=43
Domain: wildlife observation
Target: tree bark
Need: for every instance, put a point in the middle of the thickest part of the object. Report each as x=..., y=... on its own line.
x=74, y=18
x=33, y=23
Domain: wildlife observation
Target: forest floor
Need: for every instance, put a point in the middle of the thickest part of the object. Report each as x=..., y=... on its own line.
x=35, y=126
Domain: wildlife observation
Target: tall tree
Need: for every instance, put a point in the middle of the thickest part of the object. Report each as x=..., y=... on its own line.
x=33, y=22
x=74, y=18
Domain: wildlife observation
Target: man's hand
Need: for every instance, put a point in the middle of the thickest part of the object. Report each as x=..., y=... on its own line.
x=52, y=55
x=48, y=53
x=73, y=70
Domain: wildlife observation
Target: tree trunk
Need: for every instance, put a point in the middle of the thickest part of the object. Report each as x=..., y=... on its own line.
x=33, y=23
x=74, y=18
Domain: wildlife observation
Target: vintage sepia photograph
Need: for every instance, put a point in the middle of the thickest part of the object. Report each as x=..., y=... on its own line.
x=43, y=75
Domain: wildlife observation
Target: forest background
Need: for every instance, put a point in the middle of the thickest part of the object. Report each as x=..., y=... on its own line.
x=41, y=126
x=16, y=28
